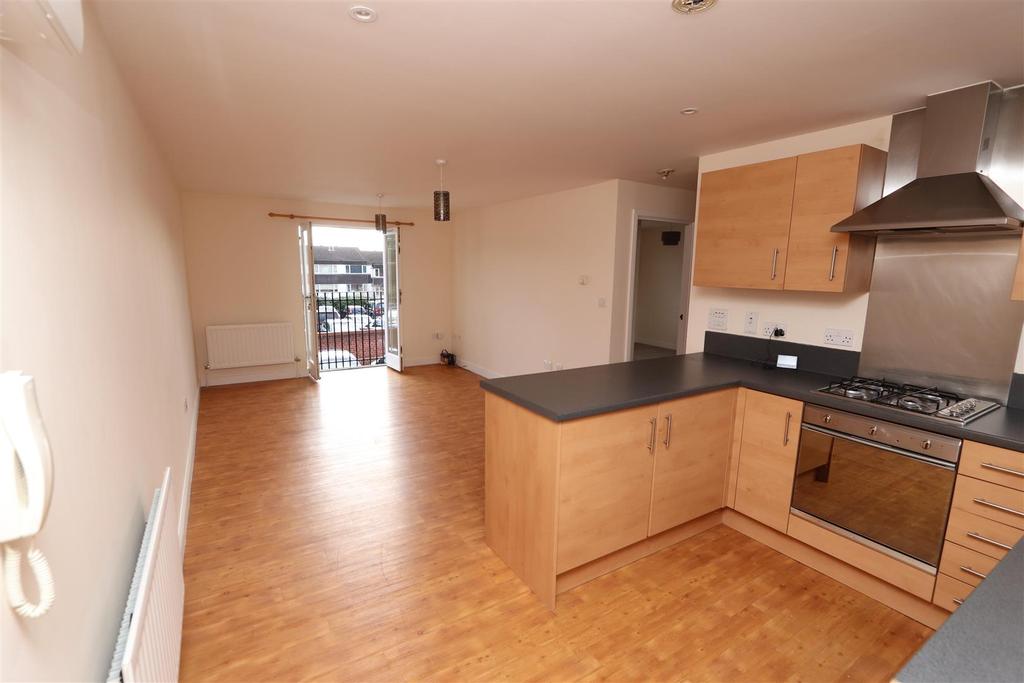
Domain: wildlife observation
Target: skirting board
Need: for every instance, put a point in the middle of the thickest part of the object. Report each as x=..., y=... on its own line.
x=186, y=480
x=478, y=370
x=887, y=594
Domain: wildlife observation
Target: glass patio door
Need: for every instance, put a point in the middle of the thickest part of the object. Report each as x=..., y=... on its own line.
x=392, y=301
x=309, y=303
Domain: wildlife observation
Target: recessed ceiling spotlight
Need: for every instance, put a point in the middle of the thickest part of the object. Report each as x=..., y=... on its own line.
x=688, y=111
x=664, y=173
x=363, y=14
x=691, y=6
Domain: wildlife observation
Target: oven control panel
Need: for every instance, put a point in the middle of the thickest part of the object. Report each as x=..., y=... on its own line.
x=886, y=433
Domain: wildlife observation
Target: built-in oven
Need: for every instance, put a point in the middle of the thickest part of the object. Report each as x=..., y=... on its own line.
x=883, y=484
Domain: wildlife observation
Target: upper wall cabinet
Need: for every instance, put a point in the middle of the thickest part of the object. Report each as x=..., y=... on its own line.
x=743, y=226
x=768, y=225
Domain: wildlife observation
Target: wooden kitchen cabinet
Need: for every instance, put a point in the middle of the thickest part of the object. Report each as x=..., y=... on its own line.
x=769, y=225
x=767, y=458
x=743, y=225
x=830, y=186
x=604, y=484
x=691, y=458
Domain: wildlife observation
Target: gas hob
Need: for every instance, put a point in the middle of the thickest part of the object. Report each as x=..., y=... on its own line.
x=928, y=401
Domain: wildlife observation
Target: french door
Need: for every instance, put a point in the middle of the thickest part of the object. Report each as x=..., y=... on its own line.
x=309, y=302
x=392, y=301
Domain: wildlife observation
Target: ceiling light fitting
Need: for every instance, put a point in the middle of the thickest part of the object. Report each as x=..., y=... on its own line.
x=363, y=14
x=380, y=220
x=442, y=200
x=664, y=173
x=692, y=6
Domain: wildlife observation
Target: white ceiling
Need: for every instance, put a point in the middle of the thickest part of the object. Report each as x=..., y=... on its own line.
x=295, y=99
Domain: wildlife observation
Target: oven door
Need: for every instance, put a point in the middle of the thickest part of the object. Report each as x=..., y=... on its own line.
x=895, y=498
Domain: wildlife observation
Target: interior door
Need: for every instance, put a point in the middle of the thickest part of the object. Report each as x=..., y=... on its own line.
x=310, y=322
x=392, y=301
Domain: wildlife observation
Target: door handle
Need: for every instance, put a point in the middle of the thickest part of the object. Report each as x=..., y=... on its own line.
x=668, y=430
x=775, y=261
x=785, y=433
x=832, y=268
x=654, y=430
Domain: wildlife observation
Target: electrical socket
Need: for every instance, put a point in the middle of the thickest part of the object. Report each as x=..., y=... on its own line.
x=836, y=337
x=547, y=365
x=768, y=326
x=750, y=323
x=718, y=319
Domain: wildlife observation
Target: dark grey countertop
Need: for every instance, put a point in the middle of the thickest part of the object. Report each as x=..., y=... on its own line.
x=983, y=641
x=570, y=394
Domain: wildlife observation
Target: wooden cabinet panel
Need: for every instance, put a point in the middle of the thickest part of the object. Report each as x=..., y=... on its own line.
x=743, y=225
x=981, y=534
x=997, y=465
x=691, y=459
x=896, y=572
x=604, y=485
x=830, y=186
x=1018, y=279
x=764, y=480
x=998, y=503
x=950, y=593
x=965, y=564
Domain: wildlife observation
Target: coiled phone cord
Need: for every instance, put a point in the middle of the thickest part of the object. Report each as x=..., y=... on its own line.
x=43, y=576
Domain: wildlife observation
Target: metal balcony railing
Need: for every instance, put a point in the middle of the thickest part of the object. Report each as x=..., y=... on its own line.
x=351, y=329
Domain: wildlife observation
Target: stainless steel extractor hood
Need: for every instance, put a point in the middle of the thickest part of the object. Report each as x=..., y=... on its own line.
x=938, y=173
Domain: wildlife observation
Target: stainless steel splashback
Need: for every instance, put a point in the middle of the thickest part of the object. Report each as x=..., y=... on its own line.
x=940, y=313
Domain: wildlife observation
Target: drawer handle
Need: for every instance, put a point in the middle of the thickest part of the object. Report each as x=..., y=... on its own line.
x=986, y=539
x=654, y=430
x=999, y=468
x=968, y=570
x=997, y=506
x=957, y=601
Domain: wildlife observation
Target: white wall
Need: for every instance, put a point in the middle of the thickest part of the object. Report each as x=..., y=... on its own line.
x=806, y=315
x=94, y=305
x=518, y=299
x=659, y=273
x=643, y=201
x=243, y=267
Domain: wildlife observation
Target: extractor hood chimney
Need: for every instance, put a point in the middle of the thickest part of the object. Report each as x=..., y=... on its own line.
x=951, y=143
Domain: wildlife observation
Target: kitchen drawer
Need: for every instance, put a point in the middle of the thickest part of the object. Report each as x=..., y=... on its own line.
x=997, y=465
x=989, y=500
x=981, y=534
x=950, y=593
x=965, y=564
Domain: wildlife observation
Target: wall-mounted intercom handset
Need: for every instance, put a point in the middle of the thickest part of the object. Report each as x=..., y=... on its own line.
x=26, y=484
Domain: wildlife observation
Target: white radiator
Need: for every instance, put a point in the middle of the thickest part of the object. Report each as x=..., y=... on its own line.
x=243, y=346
x=149, y=645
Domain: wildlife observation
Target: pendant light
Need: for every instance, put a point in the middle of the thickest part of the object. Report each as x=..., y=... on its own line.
x=442, y=201
x=380, y=220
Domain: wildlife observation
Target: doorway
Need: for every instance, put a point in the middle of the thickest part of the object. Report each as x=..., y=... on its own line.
x=660, y=292
x=350, y=292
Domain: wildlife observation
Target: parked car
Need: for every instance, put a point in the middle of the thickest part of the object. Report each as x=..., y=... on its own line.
x=354, y=321
x=355, y=309
x=329, y=320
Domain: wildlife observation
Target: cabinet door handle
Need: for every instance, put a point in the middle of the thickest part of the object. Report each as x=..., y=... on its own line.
x=1005, y=470
x=972, y=572
x=986, y=539
x=775, y=261
x=957, y=601
x=668, y=430
x=654, y=429
x=785, y=432
x=997, y=506
x=832, y=268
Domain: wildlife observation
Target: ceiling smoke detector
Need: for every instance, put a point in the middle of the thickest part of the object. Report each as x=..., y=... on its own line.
x=363, y=14
x=664, y=173
x=692, y=6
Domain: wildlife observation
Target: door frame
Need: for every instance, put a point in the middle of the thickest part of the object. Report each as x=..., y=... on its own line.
x=308, y=299
x=391, y=358
x=685, y=285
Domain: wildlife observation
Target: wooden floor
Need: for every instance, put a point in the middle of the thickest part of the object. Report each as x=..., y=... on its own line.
x=336, y=533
